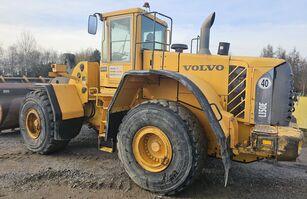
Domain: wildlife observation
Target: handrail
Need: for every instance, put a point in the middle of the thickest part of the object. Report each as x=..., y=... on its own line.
x=197, y=43
x=154, y=42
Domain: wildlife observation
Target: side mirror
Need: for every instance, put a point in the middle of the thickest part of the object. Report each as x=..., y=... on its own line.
x=92, y=24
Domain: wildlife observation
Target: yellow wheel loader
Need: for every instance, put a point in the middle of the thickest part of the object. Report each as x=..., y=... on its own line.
x=165, y=110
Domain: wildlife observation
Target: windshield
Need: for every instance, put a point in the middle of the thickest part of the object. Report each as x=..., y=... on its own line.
x=148, y=34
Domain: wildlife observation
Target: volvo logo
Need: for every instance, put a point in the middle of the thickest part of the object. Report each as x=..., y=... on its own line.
x=203, y=67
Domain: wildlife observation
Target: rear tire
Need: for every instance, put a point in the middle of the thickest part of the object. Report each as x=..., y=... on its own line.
x=187, y=140
x=43, y=141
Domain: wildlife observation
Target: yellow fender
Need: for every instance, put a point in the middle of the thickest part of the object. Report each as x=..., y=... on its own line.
x=67, y=110
x=125, y=92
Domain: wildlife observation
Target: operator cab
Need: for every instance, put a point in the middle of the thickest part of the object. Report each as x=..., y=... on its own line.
x=126, y=35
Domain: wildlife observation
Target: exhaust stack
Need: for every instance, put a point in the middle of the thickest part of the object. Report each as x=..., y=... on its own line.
x=205, y=34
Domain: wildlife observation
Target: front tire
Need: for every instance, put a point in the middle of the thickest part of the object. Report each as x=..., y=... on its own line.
x=37, y=125
x=160, y=124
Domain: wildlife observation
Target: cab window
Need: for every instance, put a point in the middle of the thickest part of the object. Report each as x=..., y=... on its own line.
x=148, y=34
x=120, y=39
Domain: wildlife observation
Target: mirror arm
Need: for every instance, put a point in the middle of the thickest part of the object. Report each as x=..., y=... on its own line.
x=99, y=15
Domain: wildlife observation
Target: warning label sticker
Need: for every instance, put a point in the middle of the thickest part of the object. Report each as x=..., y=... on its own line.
x=116, y=71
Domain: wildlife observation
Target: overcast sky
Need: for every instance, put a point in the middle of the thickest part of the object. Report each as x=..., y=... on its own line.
x=248, y=25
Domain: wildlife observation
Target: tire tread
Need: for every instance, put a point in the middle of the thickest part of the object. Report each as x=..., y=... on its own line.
x=51, y=145
x=195, y=133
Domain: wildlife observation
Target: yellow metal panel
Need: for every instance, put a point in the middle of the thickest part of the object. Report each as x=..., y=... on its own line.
x=113, y=73
x=267, y=142
x=165, y=88
x=196, y=65
x=128, y=94
x=69, y=101
x=106, y=149
x=86, y=76
x=259, y=62
x=59, y=68
x=212, y=97
x=91, y=74
x=170, y=61
x=301, y=112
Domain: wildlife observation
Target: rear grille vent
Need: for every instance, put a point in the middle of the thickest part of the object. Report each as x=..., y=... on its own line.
x=236, y=91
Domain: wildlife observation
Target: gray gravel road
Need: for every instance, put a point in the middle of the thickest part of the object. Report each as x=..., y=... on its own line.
x=81, y=171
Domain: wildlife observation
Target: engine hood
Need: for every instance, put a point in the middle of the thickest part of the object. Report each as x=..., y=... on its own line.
x=259, y=62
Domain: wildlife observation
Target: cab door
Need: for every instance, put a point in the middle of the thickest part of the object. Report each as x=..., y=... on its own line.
x=117, y=49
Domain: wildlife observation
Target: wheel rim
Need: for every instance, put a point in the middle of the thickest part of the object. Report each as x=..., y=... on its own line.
x=33, y=124
x=152, y=149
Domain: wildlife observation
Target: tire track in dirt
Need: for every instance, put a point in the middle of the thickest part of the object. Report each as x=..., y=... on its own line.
x=73, y=178
x=17, y=156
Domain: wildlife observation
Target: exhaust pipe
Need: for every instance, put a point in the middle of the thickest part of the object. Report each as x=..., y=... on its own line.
x=205, y=34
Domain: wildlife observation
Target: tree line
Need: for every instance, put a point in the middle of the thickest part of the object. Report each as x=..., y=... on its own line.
x=298, y=63
x=26, y=57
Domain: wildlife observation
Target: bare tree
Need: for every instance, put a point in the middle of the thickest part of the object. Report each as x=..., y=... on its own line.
x=49, y=56
x=304, y=77
x=88, y=54
x=26, y=46
x=26, y=58
x=298, y=63
x=1, y=51
x=84, y=55
x=12, y=60
x=268, y=51
x=280, y=53
x=1, y=60
x=26, y=43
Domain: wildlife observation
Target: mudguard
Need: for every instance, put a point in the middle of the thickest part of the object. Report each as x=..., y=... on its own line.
x=65, y=128
x=202, y=100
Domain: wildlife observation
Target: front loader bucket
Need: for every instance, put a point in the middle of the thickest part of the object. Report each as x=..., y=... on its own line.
x=23, y=79
x=11, y=97
x=12, y=92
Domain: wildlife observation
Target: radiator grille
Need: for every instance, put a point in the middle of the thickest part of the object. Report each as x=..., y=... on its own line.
x=236, y=91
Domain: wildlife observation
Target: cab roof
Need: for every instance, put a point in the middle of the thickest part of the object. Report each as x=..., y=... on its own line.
x=123, y=12
x=131, y=11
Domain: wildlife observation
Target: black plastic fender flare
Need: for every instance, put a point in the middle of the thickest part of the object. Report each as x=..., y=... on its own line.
x=201, y=98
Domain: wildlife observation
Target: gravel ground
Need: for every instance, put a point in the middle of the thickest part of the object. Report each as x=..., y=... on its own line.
x=81, y=171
